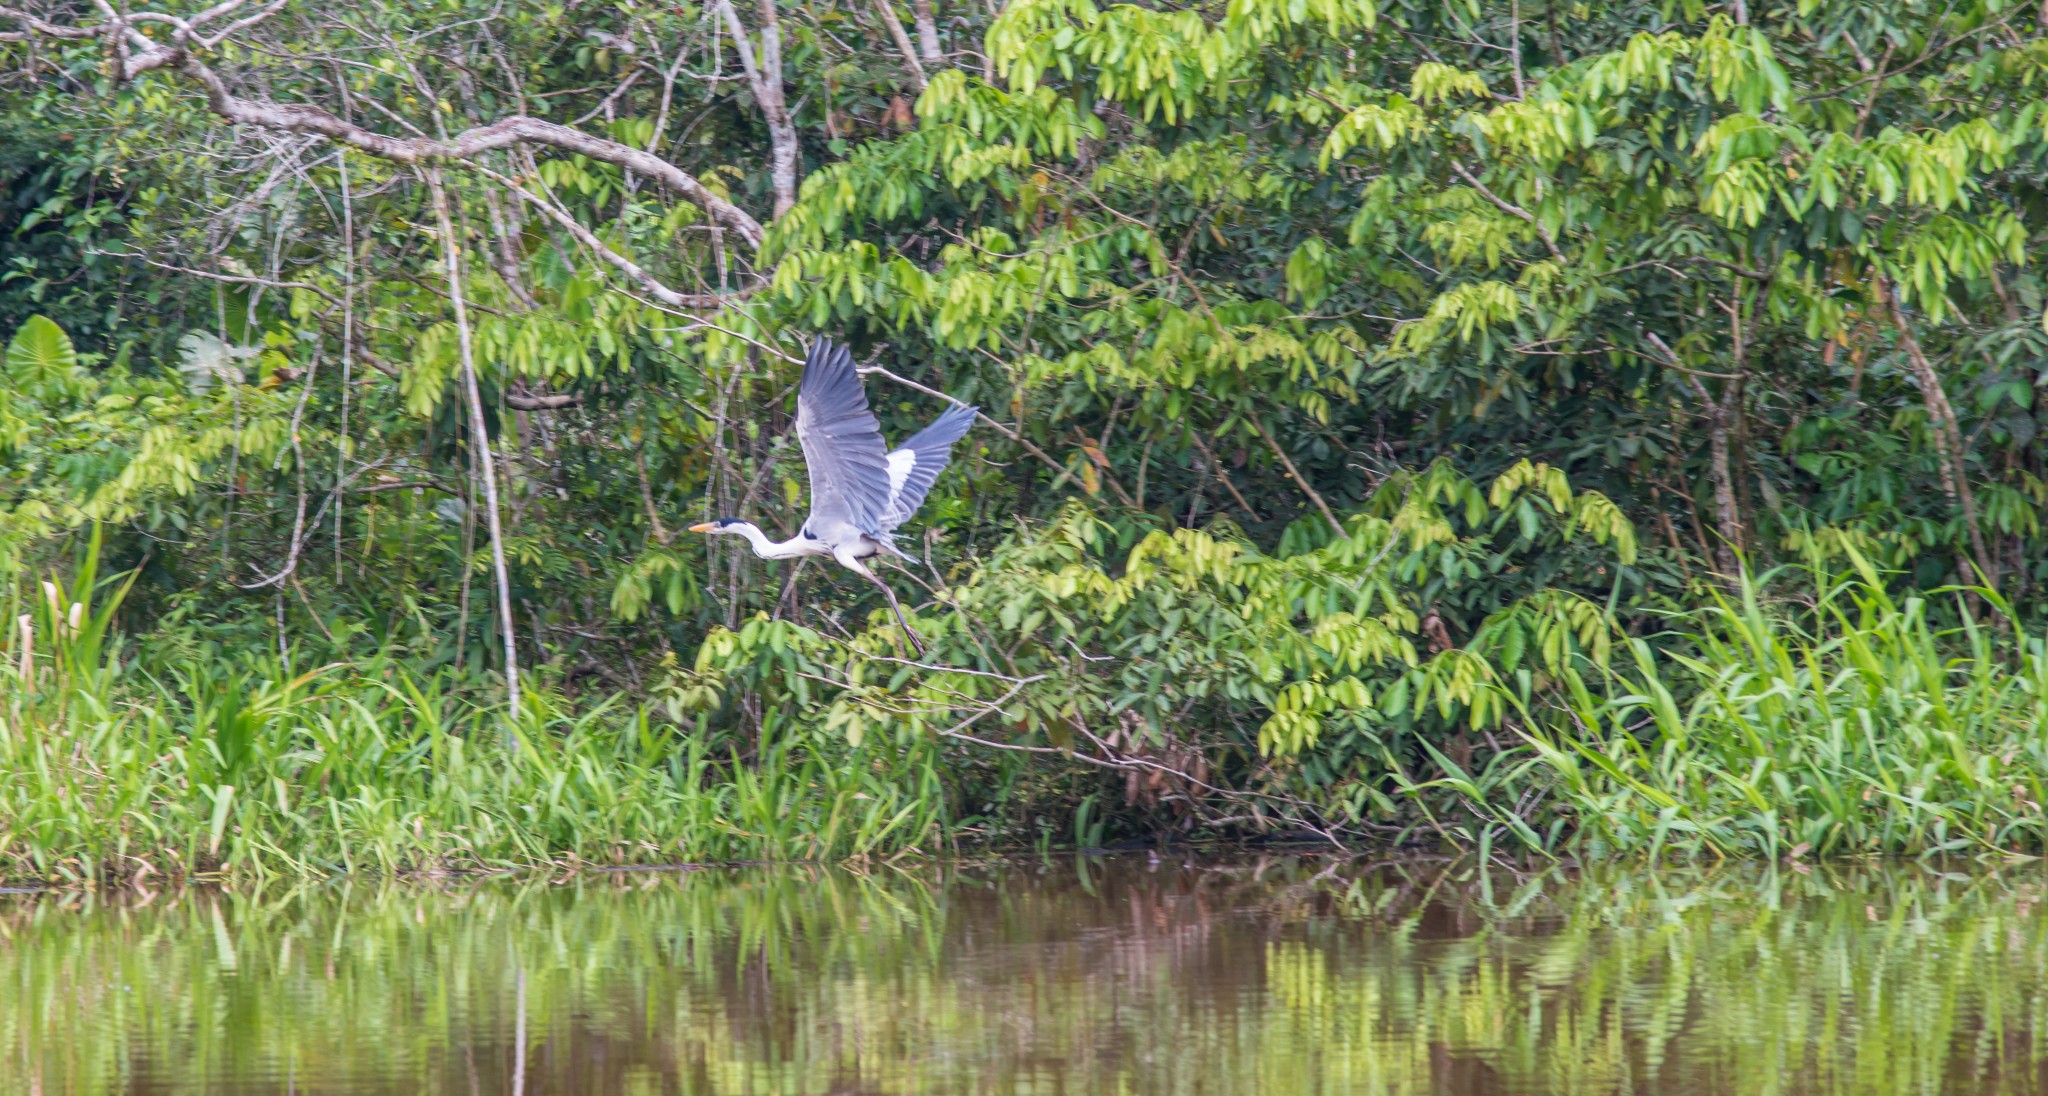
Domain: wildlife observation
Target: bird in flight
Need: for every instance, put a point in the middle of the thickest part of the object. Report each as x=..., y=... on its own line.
x=861, y=490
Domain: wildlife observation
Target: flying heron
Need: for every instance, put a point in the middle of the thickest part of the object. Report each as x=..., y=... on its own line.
x=861, y=490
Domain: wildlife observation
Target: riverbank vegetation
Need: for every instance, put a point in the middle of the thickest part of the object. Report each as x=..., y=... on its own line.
x=1549, y=428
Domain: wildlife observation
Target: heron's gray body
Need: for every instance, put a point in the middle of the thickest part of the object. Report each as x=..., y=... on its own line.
x=862, y=491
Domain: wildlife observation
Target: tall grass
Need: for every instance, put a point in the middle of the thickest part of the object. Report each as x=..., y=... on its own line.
x=1854, y=725
x=112, y=769
x=366, y=767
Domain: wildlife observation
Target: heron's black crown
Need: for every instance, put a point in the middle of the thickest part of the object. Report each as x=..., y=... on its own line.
x=723, y=522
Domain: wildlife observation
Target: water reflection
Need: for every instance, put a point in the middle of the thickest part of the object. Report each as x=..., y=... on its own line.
x=1278, y=975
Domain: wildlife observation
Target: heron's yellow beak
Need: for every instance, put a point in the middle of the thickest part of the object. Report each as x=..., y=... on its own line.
x=704, y=528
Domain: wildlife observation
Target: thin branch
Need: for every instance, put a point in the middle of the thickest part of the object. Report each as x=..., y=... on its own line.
x=480, y=441
x=1509, y=208
x=238, y=279
x=936, y=668
x=299, y=533
x=1223, y=477
x=1299, y=480
x=1948, y=440
x=1753, y=275
x=654, y=286
x=1670, y=360
x=661, y=534
x=886, y=11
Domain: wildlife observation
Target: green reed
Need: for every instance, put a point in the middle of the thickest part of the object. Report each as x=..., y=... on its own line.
x=368, y=768
x=111, y=771
x=1843, y=723
x=1852, y=724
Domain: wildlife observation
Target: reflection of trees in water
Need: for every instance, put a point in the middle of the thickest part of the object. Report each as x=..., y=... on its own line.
x=1287, y=974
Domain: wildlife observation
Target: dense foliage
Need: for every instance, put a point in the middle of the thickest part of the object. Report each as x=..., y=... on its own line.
x=1365, y=383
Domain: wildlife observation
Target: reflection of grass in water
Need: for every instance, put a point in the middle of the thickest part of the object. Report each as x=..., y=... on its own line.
x=1249, y=978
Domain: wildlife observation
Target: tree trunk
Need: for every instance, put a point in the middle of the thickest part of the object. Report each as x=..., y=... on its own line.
x=927, y=32
x=764, y=78
x=1948, y=438
x=1726, y=511
x=1718, y=413
x=480, y=442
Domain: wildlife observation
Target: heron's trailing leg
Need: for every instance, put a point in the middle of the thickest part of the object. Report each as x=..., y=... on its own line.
x=916, y=640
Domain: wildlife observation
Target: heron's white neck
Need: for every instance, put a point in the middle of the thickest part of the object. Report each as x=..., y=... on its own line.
x=769, y=549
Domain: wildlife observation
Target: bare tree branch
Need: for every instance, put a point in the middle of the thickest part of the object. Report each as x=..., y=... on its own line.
x=1300, y=481
x=178, y=54
x=1013, y=435
x=886, y=12
x=469, y=143
x=520, y=401
x=654, y=286
x=45, y=28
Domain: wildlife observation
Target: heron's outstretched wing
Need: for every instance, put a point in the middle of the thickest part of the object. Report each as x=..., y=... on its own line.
x=842, y=443
x=916, y=464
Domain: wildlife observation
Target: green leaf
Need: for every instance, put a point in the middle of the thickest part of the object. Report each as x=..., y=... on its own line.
x=41, y=360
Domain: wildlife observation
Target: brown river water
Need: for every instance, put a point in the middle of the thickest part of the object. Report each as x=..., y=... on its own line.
x=1280, y=974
